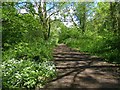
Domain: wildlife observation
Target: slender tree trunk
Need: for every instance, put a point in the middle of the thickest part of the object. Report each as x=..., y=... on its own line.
x=114, y=18
x=118, y=16
x=43, y=19
x=84, y=18
x=49, y=28
x=111, y=14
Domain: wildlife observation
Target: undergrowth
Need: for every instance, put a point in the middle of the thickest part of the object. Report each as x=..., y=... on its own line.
x=104, y=44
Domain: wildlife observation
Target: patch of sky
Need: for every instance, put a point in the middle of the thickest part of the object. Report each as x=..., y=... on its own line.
x=49, y=5
x=58, y=15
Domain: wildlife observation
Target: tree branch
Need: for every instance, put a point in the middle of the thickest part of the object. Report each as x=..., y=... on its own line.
x=52, y=14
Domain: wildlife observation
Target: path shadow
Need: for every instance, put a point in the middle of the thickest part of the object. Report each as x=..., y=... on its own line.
x=83, y=71
x=86, y=77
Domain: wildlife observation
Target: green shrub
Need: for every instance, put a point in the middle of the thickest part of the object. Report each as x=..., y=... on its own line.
x=26, y=74
x=28, y=64
x=104, y=44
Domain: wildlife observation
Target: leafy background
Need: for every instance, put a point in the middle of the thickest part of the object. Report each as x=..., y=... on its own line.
x=27, y=60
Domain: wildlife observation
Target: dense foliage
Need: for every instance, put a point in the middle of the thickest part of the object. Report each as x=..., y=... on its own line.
x=26, y=56
x=27, y=42
x=100, y=36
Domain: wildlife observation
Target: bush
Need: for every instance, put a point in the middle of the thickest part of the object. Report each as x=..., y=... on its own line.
x=26, y=74
x=28, y=64
x=26, y=55
x=104, y=44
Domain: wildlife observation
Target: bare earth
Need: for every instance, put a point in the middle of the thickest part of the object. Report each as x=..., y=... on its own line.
x=81, y=70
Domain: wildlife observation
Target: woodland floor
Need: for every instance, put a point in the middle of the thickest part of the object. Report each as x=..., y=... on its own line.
x=77, y=70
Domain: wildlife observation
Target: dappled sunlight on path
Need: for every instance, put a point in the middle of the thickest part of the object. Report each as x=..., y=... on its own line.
x=81, y=70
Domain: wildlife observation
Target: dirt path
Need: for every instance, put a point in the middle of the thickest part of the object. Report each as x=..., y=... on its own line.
x=80, y=70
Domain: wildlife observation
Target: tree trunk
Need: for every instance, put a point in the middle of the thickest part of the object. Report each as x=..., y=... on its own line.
x=114, y=16
x=84, y=18
x=43, y=19
x=49, y=28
